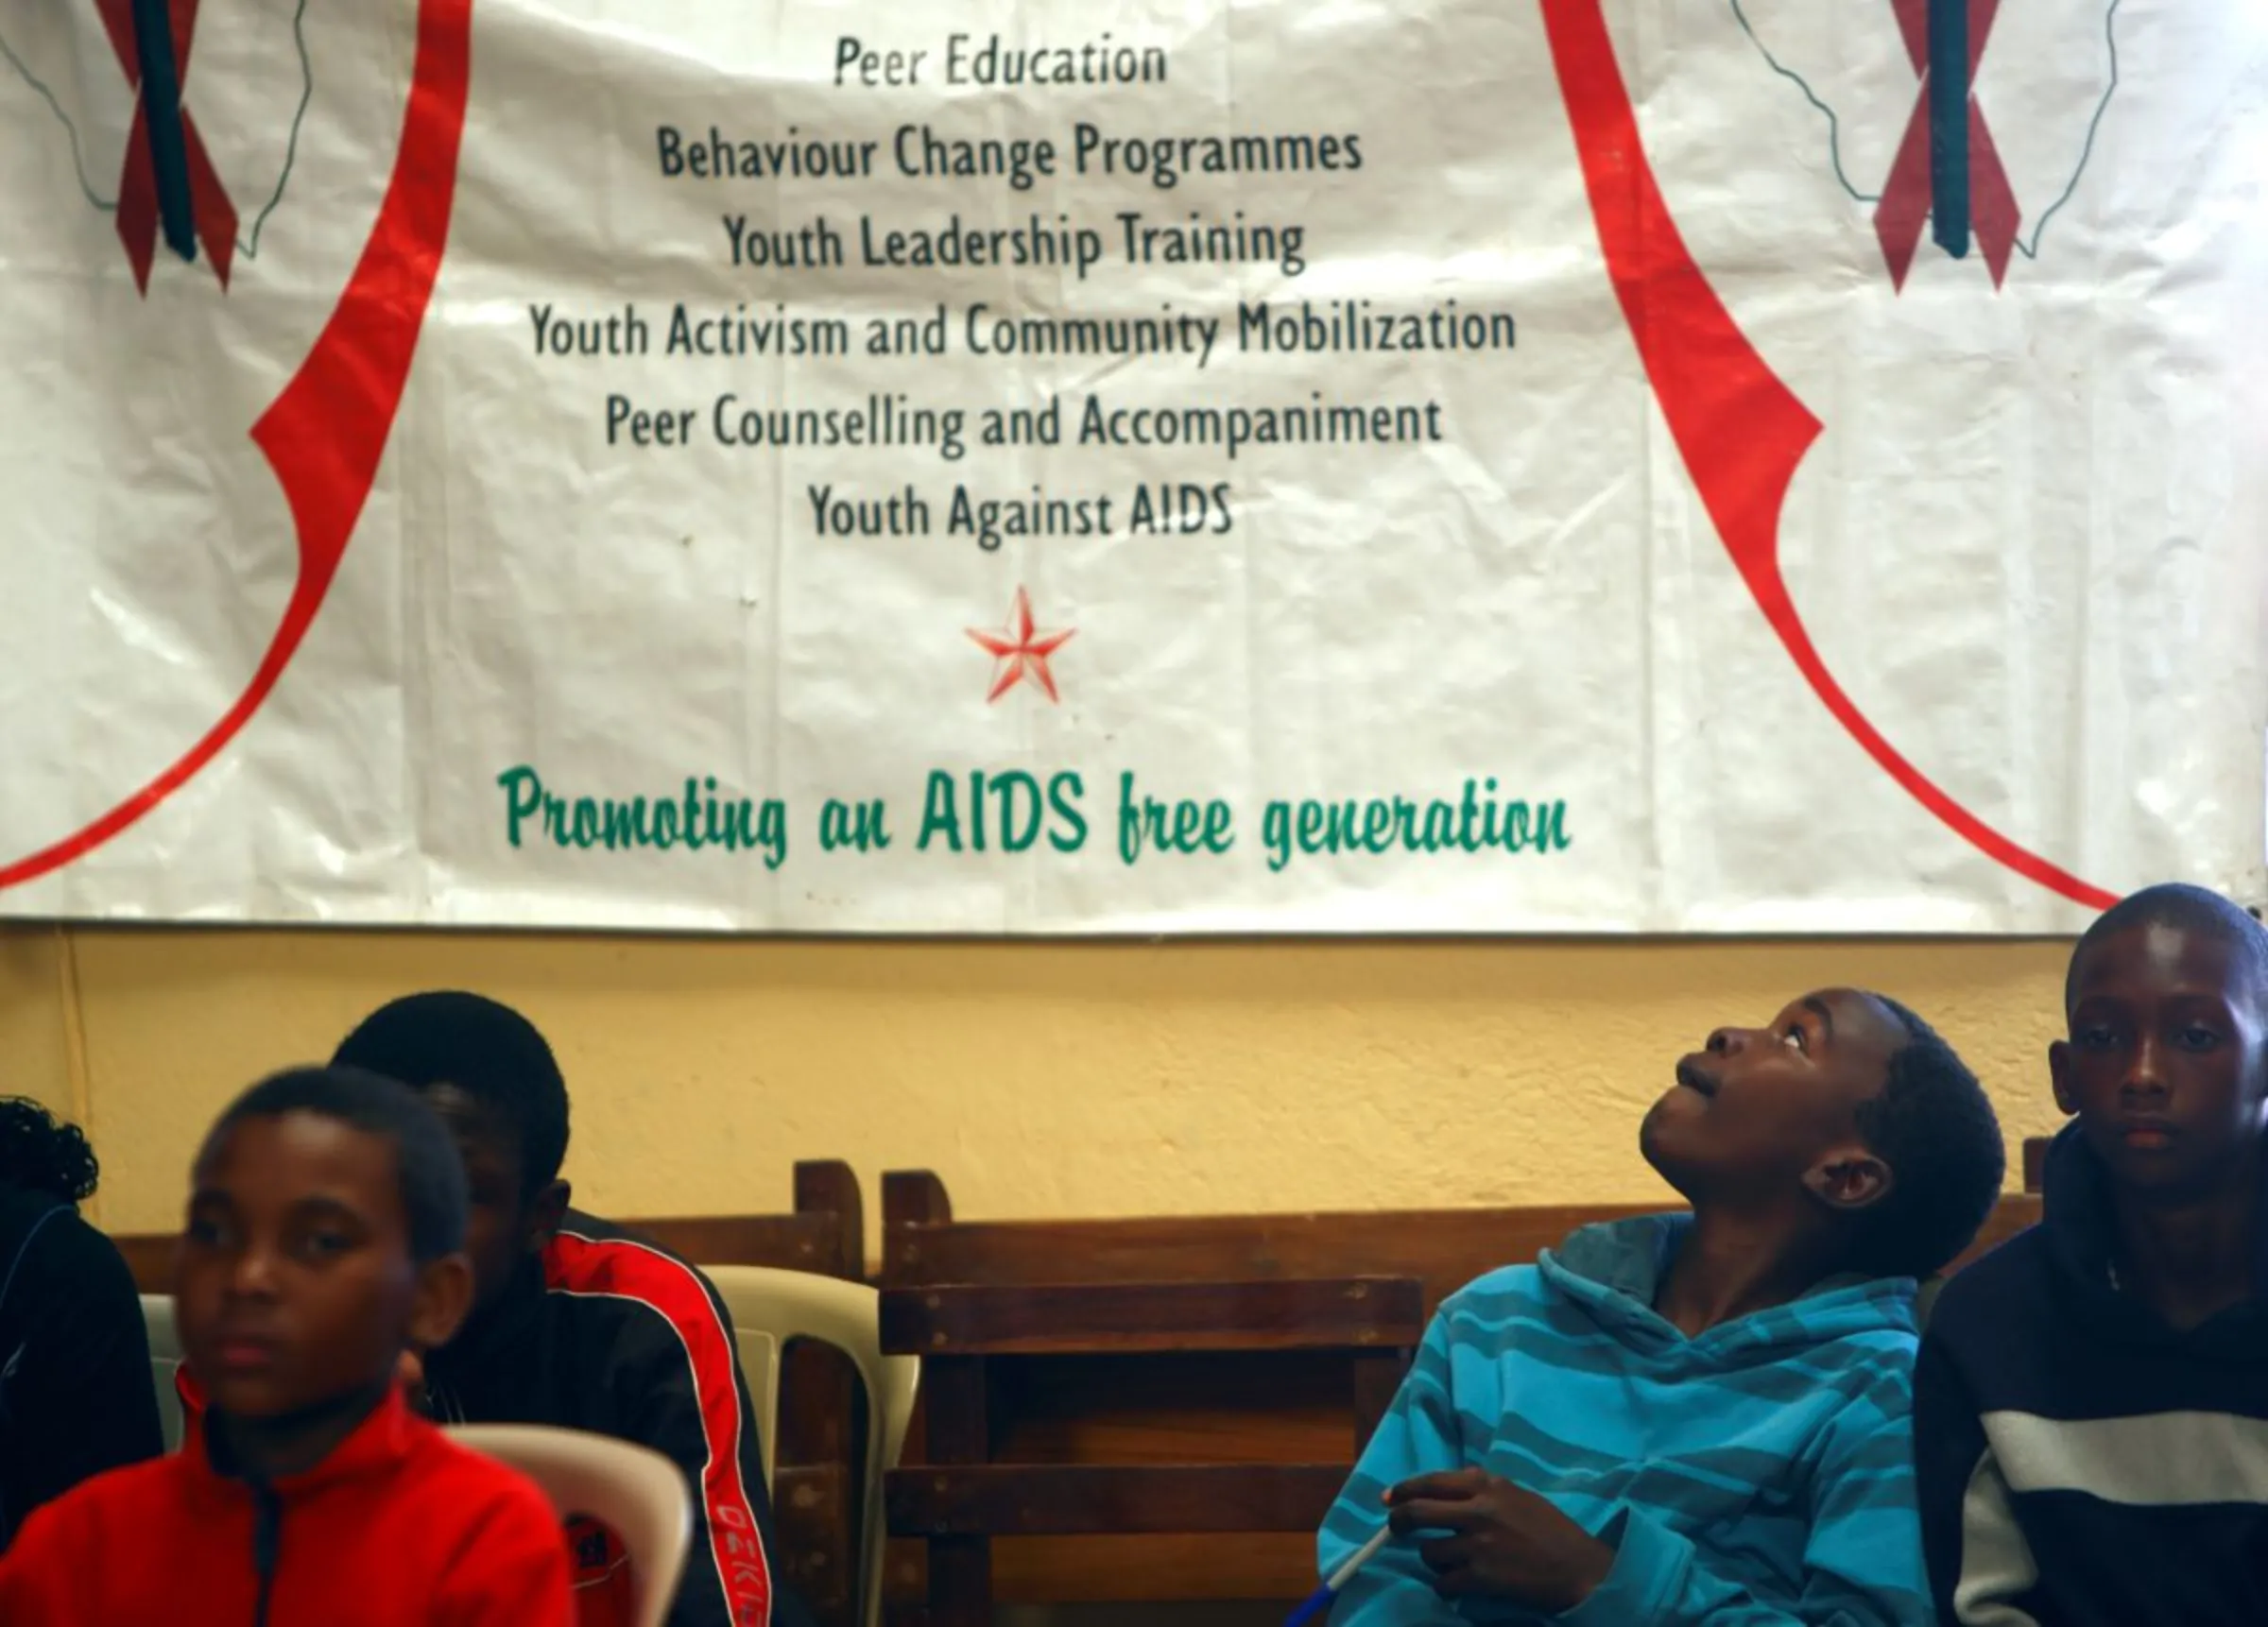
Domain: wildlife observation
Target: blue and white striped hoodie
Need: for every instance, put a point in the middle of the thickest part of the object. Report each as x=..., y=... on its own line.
x=1757, y=1476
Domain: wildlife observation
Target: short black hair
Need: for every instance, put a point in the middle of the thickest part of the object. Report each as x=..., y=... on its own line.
x=39, y=1153
x=1934, y=1126
x=485, y=1048
x=431, y=1175
x=2199, y=910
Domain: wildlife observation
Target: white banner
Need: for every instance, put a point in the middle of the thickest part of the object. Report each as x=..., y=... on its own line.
x=1043, y=466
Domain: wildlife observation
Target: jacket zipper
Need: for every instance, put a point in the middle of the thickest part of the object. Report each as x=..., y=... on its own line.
x=267, y=1543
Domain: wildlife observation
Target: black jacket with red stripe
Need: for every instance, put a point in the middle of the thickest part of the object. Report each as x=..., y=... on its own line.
x=608, y=1333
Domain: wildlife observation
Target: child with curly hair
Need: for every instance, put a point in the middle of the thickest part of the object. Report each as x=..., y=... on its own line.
x=76, y=1396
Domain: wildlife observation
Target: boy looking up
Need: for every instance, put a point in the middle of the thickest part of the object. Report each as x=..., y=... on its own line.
x=1698, y=1419
x=574, y=1322
x=2091, y=1406
x=321, y=1242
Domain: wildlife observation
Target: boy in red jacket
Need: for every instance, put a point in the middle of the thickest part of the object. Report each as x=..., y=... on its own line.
x=323, y=1239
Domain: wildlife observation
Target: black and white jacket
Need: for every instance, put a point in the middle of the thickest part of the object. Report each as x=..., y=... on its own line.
x=2079, y=1462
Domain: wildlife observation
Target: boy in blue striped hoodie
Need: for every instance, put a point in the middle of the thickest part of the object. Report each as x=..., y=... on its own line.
x=1706, y=1419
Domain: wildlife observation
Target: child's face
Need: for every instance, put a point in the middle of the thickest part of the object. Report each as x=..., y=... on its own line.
x=295, y=1284
x=1759, y=1108
x=2164, y=1062
x=499, y=1225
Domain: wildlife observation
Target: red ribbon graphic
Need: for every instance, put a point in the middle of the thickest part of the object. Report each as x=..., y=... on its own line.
x=1741, y=430
x=325, y=433
x=138, y=184
x=1904, y=207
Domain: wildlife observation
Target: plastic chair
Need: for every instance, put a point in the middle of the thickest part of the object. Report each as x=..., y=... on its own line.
x=760, y=1369
x=636, y=1491
x=1925, y=1300
x=777, y=1308
x=164, y=1361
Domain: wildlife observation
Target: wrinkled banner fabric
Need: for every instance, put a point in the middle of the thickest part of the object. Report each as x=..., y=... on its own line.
x=1653, y=466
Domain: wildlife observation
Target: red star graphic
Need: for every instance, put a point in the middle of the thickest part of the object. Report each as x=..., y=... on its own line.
x=1019, y=650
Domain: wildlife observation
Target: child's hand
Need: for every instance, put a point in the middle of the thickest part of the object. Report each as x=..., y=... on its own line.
x=1504, y=1542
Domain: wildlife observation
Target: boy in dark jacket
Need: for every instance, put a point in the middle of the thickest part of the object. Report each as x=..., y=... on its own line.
x=2091, y=1402
x=576, y=1323
x=321, y=1242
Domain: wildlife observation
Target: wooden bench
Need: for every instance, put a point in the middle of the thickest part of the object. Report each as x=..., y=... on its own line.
x=825, y=1232
x=1116, y=1411
x=974, y=1341
x=814, y=1480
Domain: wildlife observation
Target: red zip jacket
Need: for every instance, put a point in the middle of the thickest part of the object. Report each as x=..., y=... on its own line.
x=398, y=1527
x=607, y=1332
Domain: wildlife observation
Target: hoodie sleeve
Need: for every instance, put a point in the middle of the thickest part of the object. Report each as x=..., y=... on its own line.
x=1419, y=1436
x=1862, y=1560
x=673, y=1374
x=680, y=1377
x=1969, y=1535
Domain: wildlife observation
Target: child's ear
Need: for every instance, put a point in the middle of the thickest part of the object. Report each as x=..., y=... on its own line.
x=2059, y=1074
x=547, y=1214
x=444, y=1296
x=1848, y=1179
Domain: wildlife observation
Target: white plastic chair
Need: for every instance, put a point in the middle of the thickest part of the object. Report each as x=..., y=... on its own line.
x=771, y=1310
x=635, y=1491
x=1925, y=1300
x=164, y=1360
x=760, y=1369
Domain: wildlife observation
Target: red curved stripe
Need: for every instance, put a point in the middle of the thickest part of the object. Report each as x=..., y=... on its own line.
x=1741, y=431
x=325, y=433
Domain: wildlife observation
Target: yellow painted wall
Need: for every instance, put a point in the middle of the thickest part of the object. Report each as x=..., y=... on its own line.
x=1038, y=1078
